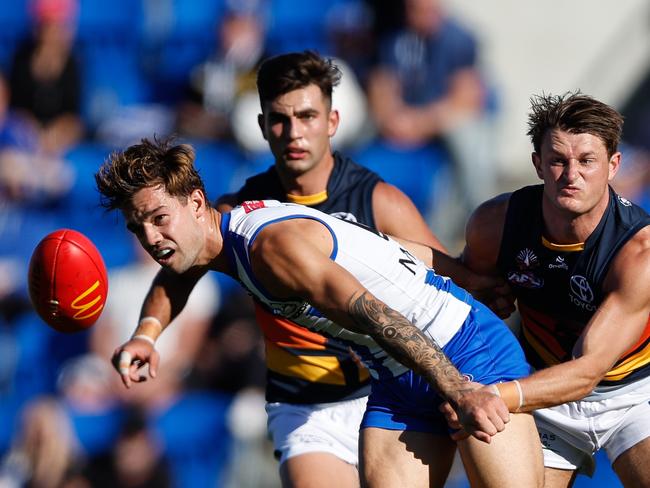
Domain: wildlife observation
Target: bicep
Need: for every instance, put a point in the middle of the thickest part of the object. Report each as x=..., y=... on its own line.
x=622, y=317
x=483, y=234
x=291, y=266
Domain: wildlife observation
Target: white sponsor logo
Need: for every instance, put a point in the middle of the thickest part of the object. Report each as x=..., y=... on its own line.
x=344, y=216
x=526, y=258
x=624, y=201
x=581, y=293
x=559, y=264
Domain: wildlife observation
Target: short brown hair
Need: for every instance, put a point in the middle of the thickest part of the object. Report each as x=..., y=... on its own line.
x=287, y=72
x=576, y=113
x=148, y=164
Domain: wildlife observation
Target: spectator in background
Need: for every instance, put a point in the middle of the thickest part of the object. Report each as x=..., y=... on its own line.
x=215, y=84
x=27, y=175
x=427, y=87
x=633, y=178
x=44, y=77
x=134, y=462
x=42, y=455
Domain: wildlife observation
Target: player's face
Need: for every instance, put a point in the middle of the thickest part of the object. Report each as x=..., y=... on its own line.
x=576, y=171
x=298, y=126
x=167, y=228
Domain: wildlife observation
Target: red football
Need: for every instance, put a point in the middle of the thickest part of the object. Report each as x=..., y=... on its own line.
x=67, y=281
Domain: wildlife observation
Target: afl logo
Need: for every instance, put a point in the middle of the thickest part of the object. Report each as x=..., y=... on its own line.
x=581, y=289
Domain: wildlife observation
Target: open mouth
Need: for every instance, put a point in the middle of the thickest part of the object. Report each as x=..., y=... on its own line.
x=163, y=255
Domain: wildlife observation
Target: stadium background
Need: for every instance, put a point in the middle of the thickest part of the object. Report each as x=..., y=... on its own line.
x=136, y=58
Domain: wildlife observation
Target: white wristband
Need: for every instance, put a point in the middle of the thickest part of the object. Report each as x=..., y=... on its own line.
x=521, y=394
x=150, y=318
x=144, y=337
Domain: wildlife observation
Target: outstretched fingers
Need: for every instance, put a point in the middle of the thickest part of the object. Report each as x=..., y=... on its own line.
x=128, y=360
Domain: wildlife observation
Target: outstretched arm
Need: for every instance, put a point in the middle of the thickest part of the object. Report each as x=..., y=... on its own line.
x=291, y=259
x=620, y=325
x=164, y=301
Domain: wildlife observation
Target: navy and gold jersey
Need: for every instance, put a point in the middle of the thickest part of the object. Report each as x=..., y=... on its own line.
x=304, y=366
x=559, y=287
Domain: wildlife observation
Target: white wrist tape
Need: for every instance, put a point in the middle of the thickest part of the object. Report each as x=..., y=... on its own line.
x=144, y=337
x=150, y=318
x=125, y=362
x=521, y=394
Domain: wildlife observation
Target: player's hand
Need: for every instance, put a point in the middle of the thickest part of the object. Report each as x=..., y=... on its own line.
x=479, y=412
x=130, y=357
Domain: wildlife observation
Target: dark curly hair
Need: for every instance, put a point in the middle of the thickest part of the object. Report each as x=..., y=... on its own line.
x=148, y=164
x=287, y=72
x=576, y=113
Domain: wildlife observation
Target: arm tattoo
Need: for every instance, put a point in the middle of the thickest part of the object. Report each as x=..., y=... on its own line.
x=406, y=343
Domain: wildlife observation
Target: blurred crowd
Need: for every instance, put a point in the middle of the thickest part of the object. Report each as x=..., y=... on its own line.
x=79, y=78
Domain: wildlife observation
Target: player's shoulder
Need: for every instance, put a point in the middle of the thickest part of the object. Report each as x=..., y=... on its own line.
x=387, y=193
x=638, y=247
x=486, y=223
x=632, y=260
x=260, y=186
x=348, y=170
x=492, y=210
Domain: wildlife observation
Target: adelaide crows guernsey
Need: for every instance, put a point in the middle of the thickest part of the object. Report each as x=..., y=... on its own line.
x=559, y=287
x=305, y=366
x=430, y=302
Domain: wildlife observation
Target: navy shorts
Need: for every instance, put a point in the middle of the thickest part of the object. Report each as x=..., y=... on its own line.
x=484, y=349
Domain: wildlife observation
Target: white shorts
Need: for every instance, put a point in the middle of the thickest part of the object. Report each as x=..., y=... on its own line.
x=323, y=427
x=571, y=433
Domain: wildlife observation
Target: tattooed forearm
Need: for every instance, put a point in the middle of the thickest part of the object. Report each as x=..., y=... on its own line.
x=407, y=344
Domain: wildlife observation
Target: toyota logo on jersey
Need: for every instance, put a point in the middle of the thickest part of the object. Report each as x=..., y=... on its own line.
x=581, y=293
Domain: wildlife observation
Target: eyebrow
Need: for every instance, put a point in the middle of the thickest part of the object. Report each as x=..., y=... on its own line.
x=298, y=113
x=144, y=216
x=591, y=153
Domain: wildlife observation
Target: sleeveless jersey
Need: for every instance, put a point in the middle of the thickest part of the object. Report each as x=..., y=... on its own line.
x=430, y=302
x=305, y=366
x=558, y=288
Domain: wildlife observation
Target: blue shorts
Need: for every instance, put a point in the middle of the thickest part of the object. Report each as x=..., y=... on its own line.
x=484, y=349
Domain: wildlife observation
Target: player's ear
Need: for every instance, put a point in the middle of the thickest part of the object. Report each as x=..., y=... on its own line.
x=537, y=162
x=198, y=202
x=262, y=124
x=614, y=164
x=332, y=122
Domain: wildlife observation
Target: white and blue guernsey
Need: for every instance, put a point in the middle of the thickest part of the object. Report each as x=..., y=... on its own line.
x=479, y=344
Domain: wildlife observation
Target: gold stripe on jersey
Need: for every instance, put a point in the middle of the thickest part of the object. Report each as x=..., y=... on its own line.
x=317, y=369
x=310, y=200
x=578, y=246
x=546, y=356
x=630, y=365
